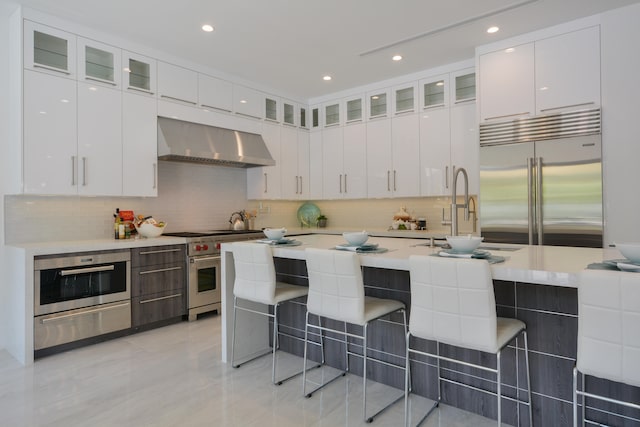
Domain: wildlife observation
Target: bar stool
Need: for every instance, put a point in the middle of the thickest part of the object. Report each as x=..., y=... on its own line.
x=608, y=338
x=256, y=282
x=336, y=291
x=452, y=302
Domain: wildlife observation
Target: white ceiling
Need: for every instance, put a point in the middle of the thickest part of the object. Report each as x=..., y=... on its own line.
x=288, y=45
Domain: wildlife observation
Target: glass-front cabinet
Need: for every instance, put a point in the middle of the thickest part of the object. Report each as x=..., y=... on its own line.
x=271, y=108
x=315, y=117
x=139, y=72
x=289, y=116
x=354, y=109
x=434, y=92
x=332, y=114
x=463, y=85
x=377, y=102
x=404, y=99
x=302, y=118
x=99, y=62
x=49, y=49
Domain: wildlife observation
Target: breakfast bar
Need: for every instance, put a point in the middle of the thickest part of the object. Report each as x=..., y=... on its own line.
x=536, y=284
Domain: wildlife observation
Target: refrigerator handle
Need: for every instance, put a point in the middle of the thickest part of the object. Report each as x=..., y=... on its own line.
x=530, y=201
x=539, y=201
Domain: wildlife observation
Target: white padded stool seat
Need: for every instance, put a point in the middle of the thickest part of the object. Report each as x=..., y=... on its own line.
x=375, y=308
x=256, y=282
x=452, y=302
x=608, y=333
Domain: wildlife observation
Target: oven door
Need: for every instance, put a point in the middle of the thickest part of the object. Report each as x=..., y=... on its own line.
x=204, y=282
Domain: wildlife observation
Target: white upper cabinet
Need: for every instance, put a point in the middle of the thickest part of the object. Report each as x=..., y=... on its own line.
x=140, y=145
x=289, y=113
x=568, y=71
x=215, y=93
x=435, y=152
x=248, y=102
x=177, y=83
x=404, y=98
x=344, y=162
x=378, y=103
x=316, y=117
x=266, y=182
x=303, y=117
x=331, y=114
x=405, y=140
x=50, y=136
x=99, y=63
x=49, y=49
x=99, y=140
x=465, y=146
x=463, y=86
x=434, y=92
x=271, y=108
x=315, y=166
x=379, y=159
x=506, y=83
x=294, y=156
x=139, y=73
x=354, y=109
x=332, y=162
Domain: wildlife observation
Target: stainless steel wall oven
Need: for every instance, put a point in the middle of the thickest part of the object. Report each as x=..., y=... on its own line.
x=78, y=296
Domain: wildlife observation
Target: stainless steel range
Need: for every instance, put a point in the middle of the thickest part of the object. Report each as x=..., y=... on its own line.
x=203, y=266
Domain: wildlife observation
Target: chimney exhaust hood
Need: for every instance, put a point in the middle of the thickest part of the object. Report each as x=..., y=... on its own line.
x=181, y=141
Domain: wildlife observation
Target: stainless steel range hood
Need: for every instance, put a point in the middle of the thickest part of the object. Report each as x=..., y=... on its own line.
x=182, y=141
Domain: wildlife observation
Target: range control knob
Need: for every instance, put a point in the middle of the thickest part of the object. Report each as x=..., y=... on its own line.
x=205, y=247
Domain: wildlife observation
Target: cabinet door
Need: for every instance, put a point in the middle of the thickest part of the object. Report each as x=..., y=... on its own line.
x=215, y=93
x=354, y=109
x=99, y=140
x=248, y=102
x=139, y=73
x=378, y=103
x=332, y=162
x=289, y=113
x=289, y=163
x=50, y=50
x=507, y=83
x=152, y=308
x=177, y=84
x=50, y=134
x=332, y=114
x=316, y=169
x=435, y=155
x=271, y=105
x=568, y=71
x=355, y=161
x=463, y=86
x=303, y=164
x=465, y=146
x=405, y=143
x=272, y=174
x=140, y=145
x=379, y=159
x=158, y=278
x=434, y=92
x=404, y=99
x=99, y=63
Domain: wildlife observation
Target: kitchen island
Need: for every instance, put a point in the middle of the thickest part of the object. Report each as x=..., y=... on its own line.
x=536, y=284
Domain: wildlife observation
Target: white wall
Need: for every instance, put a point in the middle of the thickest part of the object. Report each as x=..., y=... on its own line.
x=620, y=35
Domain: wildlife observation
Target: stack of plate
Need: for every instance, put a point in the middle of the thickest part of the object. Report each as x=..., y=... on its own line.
x=477, y=253
x=358, y=248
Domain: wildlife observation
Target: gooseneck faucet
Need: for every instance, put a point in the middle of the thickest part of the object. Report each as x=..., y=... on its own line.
x=454, y=201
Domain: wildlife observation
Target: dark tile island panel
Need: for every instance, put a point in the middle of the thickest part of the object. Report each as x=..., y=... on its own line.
x=551, y=315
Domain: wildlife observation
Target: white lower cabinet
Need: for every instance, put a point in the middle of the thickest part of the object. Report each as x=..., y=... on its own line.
x=266, y=182
x=50, y=134
x=140, y=146
x=99, y=140
x=435, y=152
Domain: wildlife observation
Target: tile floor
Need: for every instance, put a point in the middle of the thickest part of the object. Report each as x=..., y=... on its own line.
x=173, y=376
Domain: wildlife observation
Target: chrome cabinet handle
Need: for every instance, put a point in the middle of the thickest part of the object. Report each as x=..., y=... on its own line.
x=345, y=182
x=508, y=115
x=177, y=99
x=446, y=177
x=300, y=184
x=84, y=171
x=388, y=180
x=539, y=200
x=530, y=198
x=567, y=106
x=82, y=313
x=160, y=298
x=394, y=180
x=340, y=183
x=160, y=270
x=265, y=182
x=163, y=251
x=155, y=176
x=74, y=172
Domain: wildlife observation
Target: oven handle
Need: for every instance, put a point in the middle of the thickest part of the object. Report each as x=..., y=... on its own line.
x=87, y=270
x=82, y=313
x=203, y=259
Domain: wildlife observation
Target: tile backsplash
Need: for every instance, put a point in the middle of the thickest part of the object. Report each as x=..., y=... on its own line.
x=199, y=197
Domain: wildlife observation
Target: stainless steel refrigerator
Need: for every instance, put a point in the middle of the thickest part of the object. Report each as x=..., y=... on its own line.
x=541, y=180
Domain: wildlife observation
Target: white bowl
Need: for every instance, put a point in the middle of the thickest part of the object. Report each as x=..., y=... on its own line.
x=464, y=243
x=150, y=230
x=630, y=251
x=274, y=233
x=356, y=238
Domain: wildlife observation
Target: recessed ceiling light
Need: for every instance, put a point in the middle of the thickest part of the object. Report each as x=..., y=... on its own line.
x=326, y=78
x=397, y=57
x=64, y=101
x=208, y=28
x=509, y=50
x=493, y=29
x=243, y=101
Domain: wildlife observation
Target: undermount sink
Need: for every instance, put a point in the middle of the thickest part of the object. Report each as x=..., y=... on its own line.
x=444, y=245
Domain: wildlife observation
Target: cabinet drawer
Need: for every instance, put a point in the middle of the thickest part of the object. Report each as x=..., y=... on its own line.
x=158, y=278
x=154, y=255
x=156, y=307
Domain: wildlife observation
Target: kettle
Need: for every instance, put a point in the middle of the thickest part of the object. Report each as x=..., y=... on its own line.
x=238, y=224
x=237, y=221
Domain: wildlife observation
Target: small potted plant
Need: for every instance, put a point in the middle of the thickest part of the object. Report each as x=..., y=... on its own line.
x=322, y=221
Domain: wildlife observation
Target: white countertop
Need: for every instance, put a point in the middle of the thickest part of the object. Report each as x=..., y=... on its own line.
x=546, y=265
x=48, y=248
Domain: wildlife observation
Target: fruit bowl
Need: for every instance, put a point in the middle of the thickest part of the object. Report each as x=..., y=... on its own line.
x=151, y=230
x=356, y=238
x=464, y=244
x=274, y=233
